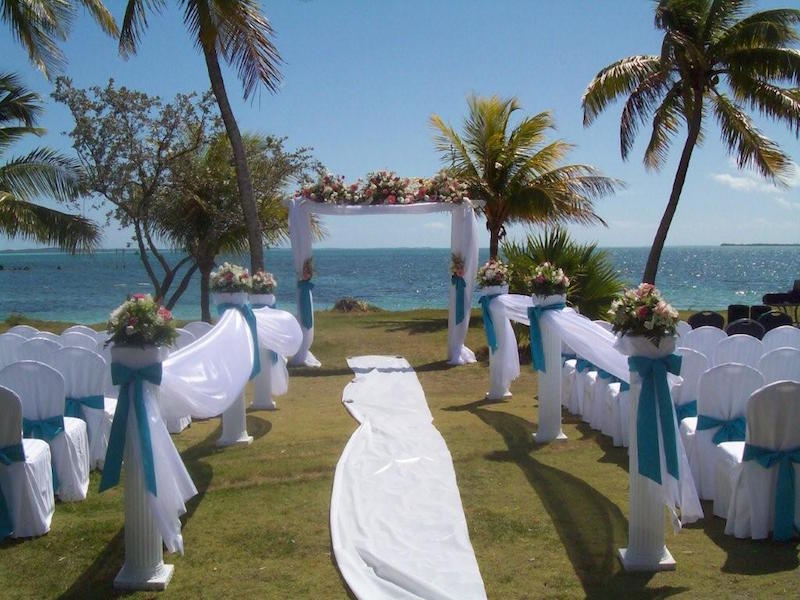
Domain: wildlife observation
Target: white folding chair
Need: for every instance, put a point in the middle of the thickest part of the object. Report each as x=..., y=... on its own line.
x=80, y=329
x=773, y=423
x=184, y=339
x=76, y=339
x=693, y=365
x=25, y=331
x=198, y=328
x=9, y=342
x=26, y=477
x=41, y=390
x=84, y=374
x=779, y=364
x=178, y=424
x=39, y=349
x=785, y=336
x=721, y=398
x=704, y=340
x=738, y=348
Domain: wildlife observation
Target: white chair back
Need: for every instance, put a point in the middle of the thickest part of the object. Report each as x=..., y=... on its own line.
x=693, y=365
x=10, y=418
x=604, y=324
x=48, y=335
x=25, y=331
x=682, y=328
x=739, y=348
x=9, y=343
x=773, y=416
x=76, y=339
x=80, y=329
x=198, y=328
x=704, y=340
x=84, y=371
x=779, y=364
x=184, y=339
x=40, y=388
x=723, y=390
x=785, y=336
x=37, y=348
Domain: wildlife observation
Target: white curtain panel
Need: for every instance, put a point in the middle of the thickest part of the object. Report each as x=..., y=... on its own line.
x=463, y=240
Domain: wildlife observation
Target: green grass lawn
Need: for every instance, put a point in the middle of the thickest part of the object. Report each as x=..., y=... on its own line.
x=545, y=520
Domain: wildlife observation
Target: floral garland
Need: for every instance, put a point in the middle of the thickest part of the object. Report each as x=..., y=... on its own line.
x=547, y=280
x=263, y=282
x=456, y=265
x=141, y=321
x=229, y=279
x=329, y=188
x=493, y=273
x=385, y=187
x=643, y=311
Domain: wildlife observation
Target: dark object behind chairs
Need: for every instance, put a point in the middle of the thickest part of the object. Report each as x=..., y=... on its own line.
x=785, y=300
x=773, y=319
x=738, y=311
x=746, y=326
x=706, y=317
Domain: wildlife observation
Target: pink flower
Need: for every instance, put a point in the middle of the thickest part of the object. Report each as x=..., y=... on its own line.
x=164, y=313
x=540, y=279
x=138, y=297
x=642, y=312
x=391, y=198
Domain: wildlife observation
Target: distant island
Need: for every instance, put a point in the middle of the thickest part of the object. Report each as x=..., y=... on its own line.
x=729, y=244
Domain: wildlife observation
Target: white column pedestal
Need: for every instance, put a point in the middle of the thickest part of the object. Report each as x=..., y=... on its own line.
x=262, y=384
x=234, y=425
x=550, y=386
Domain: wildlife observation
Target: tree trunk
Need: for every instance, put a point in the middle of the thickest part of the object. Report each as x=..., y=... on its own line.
x=651, y=268
x=494, y=238
x=205, y=279
x=240, y=160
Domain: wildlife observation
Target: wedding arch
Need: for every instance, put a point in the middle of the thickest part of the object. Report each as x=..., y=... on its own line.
x=463, y=242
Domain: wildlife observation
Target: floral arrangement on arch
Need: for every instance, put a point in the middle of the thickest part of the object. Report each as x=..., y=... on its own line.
x=308, y=269
x=385, y=187
x=643, y=311
x=442, y=187
x=229, y=279
x=141, y=321
x=493, y=273
x=330, y=188
x=456, y=265
x=263, y=282
x=547, y=280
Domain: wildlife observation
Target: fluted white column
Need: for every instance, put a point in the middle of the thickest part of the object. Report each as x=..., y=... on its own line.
x=262, y=384
x=550, y=385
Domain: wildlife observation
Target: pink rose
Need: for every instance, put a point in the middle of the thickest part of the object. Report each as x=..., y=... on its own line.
x=139, y=296
x=540, y=279
x=643, y=312
x=391, y=198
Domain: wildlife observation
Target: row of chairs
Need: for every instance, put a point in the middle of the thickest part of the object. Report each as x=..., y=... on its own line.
x=755, y=320
x=721, y=348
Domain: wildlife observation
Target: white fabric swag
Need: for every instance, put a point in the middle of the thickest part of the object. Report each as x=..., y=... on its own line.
x=463, y=241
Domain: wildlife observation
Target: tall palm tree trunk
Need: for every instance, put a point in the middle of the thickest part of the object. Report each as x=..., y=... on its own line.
x=651, y=268
x=205, y=288
x=240, y=160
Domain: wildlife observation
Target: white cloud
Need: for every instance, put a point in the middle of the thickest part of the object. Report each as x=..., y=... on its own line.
x=787, y=204
x=745, y=183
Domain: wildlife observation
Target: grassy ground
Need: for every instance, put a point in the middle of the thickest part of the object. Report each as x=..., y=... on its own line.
x=545, y=520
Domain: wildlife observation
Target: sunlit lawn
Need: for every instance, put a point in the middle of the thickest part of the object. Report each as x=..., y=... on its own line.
x=545, y=521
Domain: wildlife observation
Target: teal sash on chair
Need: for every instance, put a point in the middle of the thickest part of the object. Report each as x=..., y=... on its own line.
x=74, y=405
x=47, y=430
x=729, y=431
x=8, y=455
x=686, y=410
x=784, y=490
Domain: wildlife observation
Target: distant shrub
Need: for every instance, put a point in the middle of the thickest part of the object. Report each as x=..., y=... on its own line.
x=348, y=304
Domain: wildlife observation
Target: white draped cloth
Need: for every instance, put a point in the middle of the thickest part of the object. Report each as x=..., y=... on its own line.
x=397, y=524
x=463, y=241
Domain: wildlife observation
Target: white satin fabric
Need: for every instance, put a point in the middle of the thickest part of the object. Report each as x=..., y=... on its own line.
x=397, y=523
x=463, y=241
x=738, y=348
x=785, y=336
x=704, y=340
x=781, y=363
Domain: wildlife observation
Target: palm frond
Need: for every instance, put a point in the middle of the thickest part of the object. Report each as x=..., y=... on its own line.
x=765, y=29
x=41, y=172
x=19, y=218
x=776, y=64
x=37, y=26
x=134, y=23
x=771, y=101
x=666, y=121
x=614, y=81
x=18, y=104
x=101, y=15
x=721, y=15
x=639, y=106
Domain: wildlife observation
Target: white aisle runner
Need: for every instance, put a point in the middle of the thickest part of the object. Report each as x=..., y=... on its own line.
x=397, y=524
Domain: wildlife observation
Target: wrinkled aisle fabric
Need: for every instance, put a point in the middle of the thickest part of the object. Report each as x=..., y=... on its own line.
x=397, y=523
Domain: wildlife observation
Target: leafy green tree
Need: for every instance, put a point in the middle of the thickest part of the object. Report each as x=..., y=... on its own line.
x=39, y=173
x=199, y=212
x=593, y=280
x=237, y=31
x=38, y=25
x=516, y=172
x=706, y=43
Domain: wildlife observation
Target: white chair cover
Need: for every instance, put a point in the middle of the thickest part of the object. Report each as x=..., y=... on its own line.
x=39, y=349
x=25, y=331
x=704, y=340
x=48, y=335
x=178, y=424
x=9, y=342
x=682, y=328
x=80, y=329
x=84, y=374
x=779, y=364
x=739, y=348
x=198, y=328
x=41, y=390
x=77, y=339
x=773, y=421
x=185, y=338
x=27, y=486
x=785, y=336
x=722, y=394
x=620, y=414
x=693, y=365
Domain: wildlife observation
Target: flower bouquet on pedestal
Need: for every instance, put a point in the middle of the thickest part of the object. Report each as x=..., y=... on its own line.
x=141, y=321
x=547, y=284
x=493, y=277
x=262, y=289
x=230, y=284
x=644, y=321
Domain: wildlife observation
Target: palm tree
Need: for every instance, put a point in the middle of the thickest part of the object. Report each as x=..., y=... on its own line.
x=40, y=172
x=706, y=41
x=517, y=173
x=237, y=31
x=39, y=24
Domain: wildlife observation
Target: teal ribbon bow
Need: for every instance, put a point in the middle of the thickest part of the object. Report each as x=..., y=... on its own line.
x=75, y=404
x=565, y=356
x=252, y=324
x=8, y=455
x=488, y=325
x=306, y=314
x=125, y=377
x=45, y=429
x=655, y=407
x=783, y=528
x=686, y=410
x=537, y=351
x=581, y=365
x=729, y=431
x=460, y=286
x=272, y=355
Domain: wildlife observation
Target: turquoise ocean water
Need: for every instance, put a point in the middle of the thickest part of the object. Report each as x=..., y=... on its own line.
x=85, y=288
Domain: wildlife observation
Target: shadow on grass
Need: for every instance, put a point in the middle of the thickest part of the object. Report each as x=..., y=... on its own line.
x=590, y=526
x=419, y=326
x=98, y=579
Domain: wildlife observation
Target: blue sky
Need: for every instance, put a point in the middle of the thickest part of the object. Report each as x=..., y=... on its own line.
x=361, y=79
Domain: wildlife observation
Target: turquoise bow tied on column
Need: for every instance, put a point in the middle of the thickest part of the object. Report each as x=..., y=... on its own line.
x=537, y=351
x=460, y=286
x=732, y=430
x=686, y=410
x=128, y=378
x=273, y=356
x=8, y=455
x=782, y=530
x=488, y=325
x=305, y=286
x=655, y=408
x=75, y=404
x=252, y=324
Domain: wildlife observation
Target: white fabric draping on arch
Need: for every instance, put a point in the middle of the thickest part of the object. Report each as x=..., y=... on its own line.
x=202, y=380
x=600, y=347
x=463, y=241
x=397, y=524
